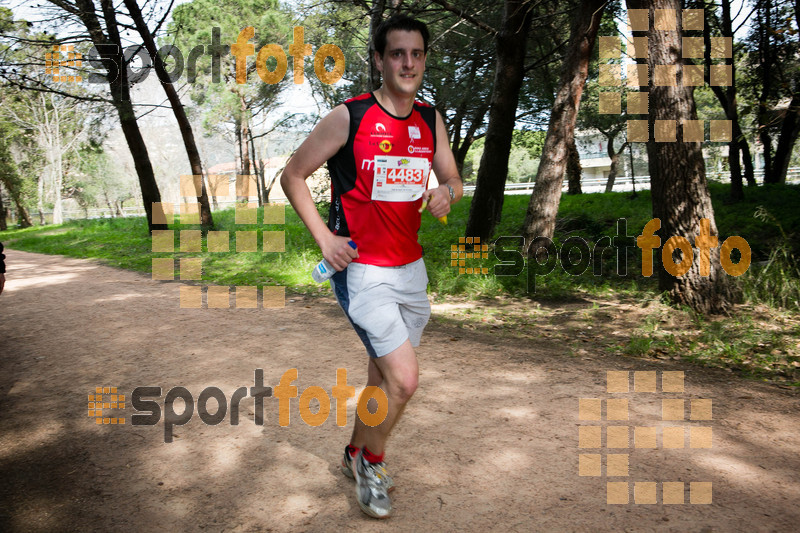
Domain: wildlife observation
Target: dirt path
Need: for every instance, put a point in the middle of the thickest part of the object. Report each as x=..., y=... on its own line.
x=490, y=441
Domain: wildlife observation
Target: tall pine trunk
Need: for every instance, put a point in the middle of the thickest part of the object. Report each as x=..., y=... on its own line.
x=177, y=108
x=110, y=48
x=678, y=184
x=540, y=219
x=511, y=41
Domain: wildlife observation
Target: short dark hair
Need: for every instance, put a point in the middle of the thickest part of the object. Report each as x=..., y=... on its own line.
x=398, y=22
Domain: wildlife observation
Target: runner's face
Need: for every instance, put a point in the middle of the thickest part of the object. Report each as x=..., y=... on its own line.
x=403, y=62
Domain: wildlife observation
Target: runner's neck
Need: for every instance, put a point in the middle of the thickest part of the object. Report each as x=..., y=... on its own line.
x=399, y=106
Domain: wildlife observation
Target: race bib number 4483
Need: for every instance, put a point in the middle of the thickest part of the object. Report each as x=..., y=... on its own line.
x=399, y=179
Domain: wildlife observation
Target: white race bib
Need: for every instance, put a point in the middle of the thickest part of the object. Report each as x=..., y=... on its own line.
x=399, y=179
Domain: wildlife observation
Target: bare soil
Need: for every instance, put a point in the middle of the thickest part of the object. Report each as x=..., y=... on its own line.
x=489, y=441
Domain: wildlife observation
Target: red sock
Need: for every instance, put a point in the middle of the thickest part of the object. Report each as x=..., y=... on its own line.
x=371, y=457
x=352, y=450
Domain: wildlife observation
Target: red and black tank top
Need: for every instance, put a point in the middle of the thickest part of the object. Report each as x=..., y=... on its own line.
x=378, y=178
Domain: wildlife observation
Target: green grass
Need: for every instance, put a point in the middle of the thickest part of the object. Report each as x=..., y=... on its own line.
x=125, y=243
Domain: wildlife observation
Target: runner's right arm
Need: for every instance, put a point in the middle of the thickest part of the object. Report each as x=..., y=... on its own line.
x=325, y=140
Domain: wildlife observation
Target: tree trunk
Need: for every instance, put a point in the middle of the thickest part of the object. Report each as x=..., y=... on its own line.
x=614, y=156
x=177, y=108
x=375, y=19
x=677, y=178
x=487, y=204
x=540, y=219
x=789, y=132
x=765, y=53
x=574, y=169
x=258, y=167
x=110, y=49
x=3, y=213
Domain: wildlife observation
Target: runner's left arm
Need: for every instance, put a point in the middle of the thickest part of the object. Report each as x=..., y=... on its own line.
x=444, y=166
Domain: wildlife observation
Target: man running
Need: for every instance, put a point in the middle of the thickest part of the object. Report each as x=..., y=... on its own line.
x=380, y=148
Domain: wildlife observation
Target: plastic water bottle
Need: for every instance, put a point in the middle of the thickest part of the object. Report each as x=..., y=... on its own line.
x=323, y=271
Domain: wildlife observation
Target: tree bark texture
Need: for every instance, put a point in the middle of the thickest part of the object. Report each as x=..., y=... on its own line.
x=511, y=40
x=540, y=219
x=678, y=184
